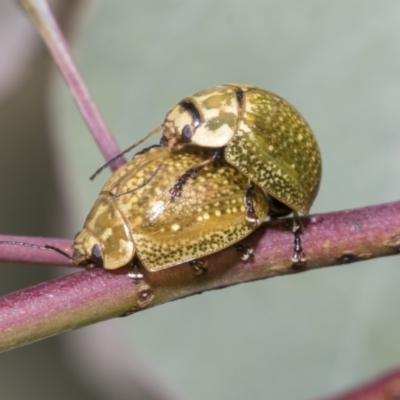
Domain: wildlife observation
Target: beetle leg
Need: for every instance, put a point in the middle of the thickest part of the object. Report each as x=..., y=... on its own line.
x=248, y=201
x=298, y=256
x=135, y=273
x=245, y=252
x=198, y=266
x=176, y=190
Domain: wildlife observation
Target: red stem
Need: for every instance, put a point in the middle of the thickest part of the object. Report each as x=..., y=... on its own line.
x=91, y=296
x=385, y=387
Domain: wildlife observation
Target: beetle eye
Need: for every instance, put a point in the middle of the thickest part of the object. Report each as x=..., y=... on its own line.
x=96, y=256
x=187, y=134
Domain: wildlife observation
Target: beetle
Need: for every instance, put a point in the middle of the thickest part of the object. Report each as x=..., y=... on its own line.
x=260, y=134
x=257, y=132
x=135, y=216
x=136, y=221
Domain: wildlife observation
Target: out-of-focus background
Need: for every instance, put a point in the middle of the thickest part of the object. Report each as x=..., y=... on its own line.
x=296, y=337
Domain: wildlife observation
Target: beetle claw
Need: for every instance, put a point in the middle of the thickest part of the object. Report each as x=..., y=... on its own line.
x=251, y=215
x=298, y=256
x=191, y=173
x=245, y=252
x=135, y=274
x=175, y=191
x=198, y=266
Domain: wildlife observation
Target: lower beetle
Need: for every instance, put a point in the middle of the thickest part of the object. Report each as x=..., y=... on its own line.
x=259, y=133
x=136, y=216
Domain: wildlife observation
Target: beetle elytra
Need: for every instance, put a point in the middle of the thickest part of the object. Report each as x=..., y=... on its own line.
x=131, y=218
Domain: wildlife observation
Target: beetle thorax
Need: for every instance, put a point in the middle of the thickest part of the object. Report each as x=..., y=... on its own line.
x=207, y=119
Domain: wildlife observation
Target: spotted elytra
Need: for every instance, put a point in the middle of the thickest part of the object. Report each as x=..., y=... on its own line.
x=136, y=221
x=136, y=216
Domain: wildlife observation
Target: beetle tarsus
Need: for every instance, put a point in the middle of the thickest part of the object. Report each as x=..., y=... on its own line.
x=298, y=256
x=135, y=273
x=191, y=173
x=176, y=190
x=251, y=215
x=246, y=252
x=198, y=266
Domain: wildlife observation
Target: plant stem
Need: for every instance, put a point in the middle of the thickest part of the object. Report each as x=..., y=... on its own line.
x=41, y=14
x=385, y=387
x=22, y=254
x=92, y=296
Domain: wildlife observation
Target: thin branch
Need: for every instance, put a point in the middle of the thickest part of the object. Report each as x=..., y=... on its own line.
x=41, y=14
x=92, y=296
x=12, y=253
x=385, y=387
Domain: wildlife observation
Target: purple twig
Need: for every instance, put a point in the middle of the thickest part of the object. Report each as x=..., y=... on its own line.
x=13, y=253
x=41, y=14
x=385, y=387
x=91, y=296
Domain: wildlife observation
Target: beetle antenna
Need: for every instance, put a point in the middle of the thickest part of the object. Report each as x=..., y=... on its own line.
x=153, y=174
x=35, y=246
x=109, y=162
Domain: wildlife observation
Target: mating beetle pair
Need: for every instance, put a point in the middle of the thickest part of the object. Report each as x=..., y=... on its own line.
x=229, y=156
x=271, y=166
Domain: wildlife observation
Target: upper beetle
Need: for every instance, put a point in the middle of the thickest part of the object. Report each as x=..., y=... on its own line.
x=259, y=133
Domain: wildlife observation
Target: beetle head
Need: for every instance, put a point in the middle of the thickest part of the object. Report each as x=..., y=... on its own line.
x=180, y=124
x=207, y=119
x=87, y=249
x=105, y=238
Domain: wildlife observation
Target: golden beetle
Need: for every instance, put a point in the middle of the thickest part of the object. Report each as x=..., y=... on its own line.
x=263, y=136
x=135, y=216
x=258, y=132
